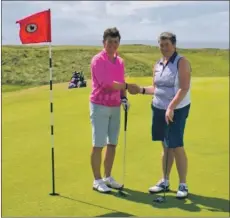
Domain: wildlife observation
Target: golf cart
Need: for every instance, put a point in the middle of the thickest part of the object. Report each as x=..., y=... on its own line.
x=77, y=80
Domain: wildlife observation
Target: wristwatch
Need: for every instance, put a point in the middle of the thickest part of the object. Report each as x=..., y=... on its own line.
x=143, y=90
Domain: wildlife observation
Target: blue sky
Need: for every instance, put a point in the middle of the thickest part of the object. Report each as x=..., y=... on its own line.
x=74, y=22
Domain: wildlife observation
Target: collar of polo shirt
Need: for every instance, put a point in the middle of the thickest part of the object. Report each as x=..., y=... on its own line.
x=171, y=59
x=106, y=54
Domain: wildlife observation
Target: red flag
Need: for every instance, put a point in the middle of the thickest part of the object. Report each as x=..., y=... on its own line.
x=35, y=28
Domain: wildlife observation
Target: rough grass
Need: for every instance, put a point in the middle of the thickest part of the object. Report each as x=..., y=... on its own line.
x=27, y=65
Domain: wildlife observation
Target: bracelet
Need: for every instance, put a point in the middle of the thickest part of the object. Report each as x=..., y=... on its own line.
x=143, y=91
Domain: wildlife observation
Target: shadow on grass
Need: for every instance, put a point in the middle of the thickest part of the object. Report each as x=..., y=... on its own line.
x=119, y=214
x=191, y=204
x=114, y=213
x=90, y=204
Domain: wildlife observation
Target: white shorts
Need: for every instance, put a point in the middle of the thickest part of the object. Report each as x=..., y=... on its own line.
x=105, y=124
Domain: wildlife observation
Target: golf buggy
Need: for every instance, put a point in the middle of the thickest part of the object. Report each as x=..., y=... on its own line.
x=77, y=80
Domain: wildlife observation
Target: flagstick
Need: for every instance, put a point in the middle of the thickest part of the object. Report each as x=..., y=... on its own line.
x=52, y=122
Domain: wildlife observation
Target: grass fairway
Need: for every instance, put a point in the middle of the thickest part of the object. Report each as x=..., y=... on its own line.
x=26, y=156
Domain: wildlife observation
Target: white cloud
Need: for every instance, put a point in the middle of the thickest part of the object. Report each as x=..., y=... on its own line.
x=129, y=7
x=137, y=20
x=198, y=28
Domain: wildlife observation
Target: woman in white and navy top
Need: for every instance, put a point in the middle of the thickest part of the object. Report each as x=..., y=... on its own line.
x=170, y=107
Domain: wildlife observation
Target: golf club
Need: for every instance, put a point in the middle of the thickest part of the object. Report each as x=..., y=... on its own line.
x=163, y=199
x=124, y=153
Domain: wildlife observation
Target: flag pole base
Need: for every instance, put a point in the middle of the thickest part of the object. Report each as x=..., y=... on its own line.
x=54, y=194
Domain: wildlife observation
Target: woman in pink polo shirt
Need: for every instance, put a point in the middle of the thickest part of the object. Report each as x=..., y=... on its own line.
x=107, y=95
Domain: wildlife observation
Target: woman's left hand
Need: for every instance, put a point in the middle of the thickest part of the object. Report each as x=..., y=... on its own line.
x=169, y=115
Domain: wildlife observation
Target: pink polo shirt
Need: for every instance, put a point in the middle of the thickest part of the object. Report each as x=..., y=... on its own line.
x=103, y=73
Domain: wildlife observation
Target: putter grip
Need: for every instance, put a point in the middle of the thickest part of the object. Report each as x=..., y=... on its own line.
x=126, y=118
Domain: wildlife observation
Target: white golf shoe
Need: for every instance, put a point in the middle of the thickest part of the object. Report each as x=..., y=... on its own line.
x=100, y=186
x=182, y=191
x=159, y=187
x=110, y=182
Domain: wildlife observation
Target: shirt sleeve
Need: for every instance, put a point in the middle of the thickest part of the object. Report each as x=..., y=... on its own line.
x=154, y=68
x=123, y=71
x=123, y=92
x=98, y=74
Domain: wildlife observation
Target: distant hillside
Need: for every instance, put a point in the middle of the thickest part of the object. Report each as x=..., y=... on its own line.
x=27, y=65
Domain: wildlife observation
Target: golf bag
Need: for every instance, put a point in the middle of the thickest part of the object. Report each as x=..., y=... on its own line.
x=77, y=80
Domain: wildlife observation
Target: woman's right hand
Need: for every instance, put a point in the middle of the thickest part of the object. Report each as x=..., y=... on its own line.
x=133, y=89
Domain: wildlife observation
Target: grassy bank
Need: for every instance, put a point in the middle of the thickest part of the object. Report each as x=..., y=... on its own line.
x=29, y=66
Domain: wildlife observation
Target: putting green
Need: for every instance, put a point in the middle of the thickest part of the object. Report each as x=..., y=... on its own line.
x=26, y=156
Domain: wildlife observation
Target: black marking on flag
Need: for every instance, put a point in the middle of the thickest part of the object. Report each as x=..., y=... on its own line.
x=31, y=28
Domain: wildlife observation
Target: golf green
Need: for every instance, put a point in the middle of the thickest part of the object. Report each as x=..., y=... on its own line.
x=26, y=155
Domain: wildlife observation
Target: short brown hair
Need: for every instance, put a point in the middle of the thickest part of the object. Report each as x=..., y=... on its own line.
x=169, y=36
x=111, y=32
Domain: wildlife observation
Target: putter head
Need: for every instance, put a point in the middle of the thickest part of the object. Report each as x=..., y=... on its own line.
x=121, y=193
x=159, y=200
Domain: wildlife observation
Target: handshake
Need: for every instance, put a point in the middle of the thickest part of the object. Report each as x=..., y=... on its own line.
x=133, y=89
